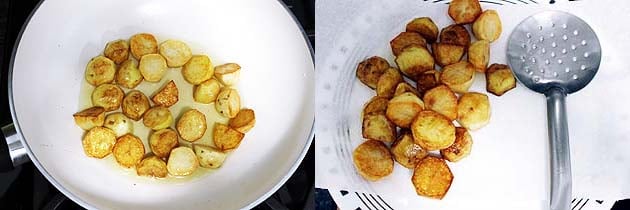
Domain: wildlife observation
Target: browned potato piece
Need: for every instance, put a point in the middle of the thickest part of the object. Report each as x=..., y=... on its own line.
x=107, y=96
x=414, y=60
x=473, y=110
x=226, y=138
x=98, y=142
x=192, y=125
x=142, y=44
x=405, y=87
x=228, y=102
x=447, y=54
x=458, y=76
x=207, y=92
x=182, y=161
x=175, y=52
x=129, y=75
x=402, y=109
x=425, y=27
x=152, y=67
x=479, y=55
x=427, y=81
x=117, y=51
x=406, y=152
x=487, y=26
x=460, y=148
x=442, y=100
x=135, y=104
x=455, y=34
x=90, y=117
x=386, y=84
x=370, y=70
x=128, y=150
x=244, y=120
x=376, y=105
x=167, y=96
x=163, y=141
x=378, y=127
x=464, y=11
x=209, y=157
x=432, y=131
x=405, y=39
x=432, y=178
x=100, y=70
x=198, y=69
x=499, y=79
x=152, y=166
x=157, y=118
x=373, y=160
x=228, y=74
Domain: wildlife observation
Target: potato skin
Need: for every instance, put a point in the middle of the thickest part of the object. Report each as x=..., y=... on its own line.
x=129, y=75
x=487, y=26
x=460, y=148
x=371, y=69
x=432, y=177
x=226, y=138
x=405, y=39
x=373, y=160
x=128, y=150
x=152, y=166
x=473, y=110
x=163, y=141
x=464, y=11
x=167, y=96
x=458, y=76
x=98, y=142
x=117, y=51
x=402, y=109
x=378, y=127
x=413, y=61
x=228, y=102
x=198, y=69
x=152, y=67
x=107, y=96
x=157, y=118
x=182, y=161
x=244, y=120
x=386, y=84
x=207, y=91
x=499, y=79
x=100, y=70
x=192, y=125
x=427, y=81
x=142, y=44
x=135, y=104
x=479, y=55
x=406, y=152
x=432, y=131
x=455, y=34
x=89, y=118
x=376, y=105
x=209, y=157
x=443, y=100
x=176, y=53
x=446, y=54
x=425, y=27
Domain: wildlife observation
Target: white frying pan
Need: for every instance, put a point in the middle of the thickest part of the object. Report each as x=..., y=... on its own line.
x=276, y=81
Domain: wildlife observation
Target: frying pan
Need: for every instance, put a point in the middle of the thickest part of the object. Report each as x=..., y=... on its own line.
x=47, y=72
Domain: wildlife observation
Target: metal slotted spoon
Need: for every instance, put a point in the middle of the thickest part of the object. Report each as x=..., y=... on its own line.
x=555, y=53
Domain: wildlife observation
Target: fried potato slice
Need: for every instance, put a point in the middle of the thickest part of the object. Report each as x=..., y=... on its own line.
x=226, y=138
x=228, y=102
x=376, y=105
x=447, y=54
x=157, y=118
x=117, y=51
x=228, y=74
x=142, y=44
x=464, y=11
x=487, y=26
x=427, y=81
x=432, y=177
x=163, y=141
x=167, y=96
x=386, y=84
x=499, y=79
x=152, y=67
x=107, y=96
x=192, y=125
x=405, y=87
x=89, y=118
x=378, y=127
x=100, y=70
x=405, y=39
x=432, y=131
x=425, y=27
x=443, y=100
x=414, y=60
x=473, y=110
x=244, y=120
x=207, y=91
x=406, y=152
x=455, y=34
x=135, y=104
x=152, y=166
x=479, y=55
x=402, y=109
x=209, y=157
x=119, y=123
x=373, y=160
x=458, y=76
x=128, y=150
x=98, y=142
x=460, y=148
x=176, y=53
x=182, y=161
x=128, y=74
x=198, y=69
x=371, y=69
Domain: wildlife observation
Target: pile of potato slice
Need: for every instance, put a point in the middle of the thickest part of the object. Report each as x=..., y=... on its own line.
x=404, y=122
x=115, y=75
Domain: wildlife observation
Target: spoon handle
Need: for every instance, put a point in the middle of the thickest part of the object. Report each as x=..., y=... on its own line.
x=559, y=148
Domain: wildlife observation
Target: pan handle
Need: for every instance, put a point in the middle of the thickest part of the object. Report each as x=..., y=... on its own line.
x=13, y=152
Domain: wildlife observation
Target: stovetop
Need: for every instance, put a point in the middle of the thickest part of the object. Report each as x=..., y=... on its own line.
x=26, y=188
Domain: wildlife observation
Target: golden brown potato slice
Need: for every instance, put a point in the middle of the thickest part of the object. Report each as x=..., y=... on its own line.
x=152, y=67
x=167, y=96
x=129, y=75
x=406, y=152
x=402, y=109
x=100, y=70
x=118, y=123
x=182, y=161
x=376, y=105
x=447, y=54
x=432, y=178
x=135, y=104
x=455, y=34
x=425, y=27
x=473, y=110
x=176, y=53
x=460, y=148
x=373, y=160
x=228, y=74
x=117, y=51
x=432, y=131
x=228, y=102
x=244, y=120
x=413, y=61
x=198, y=69
x=128, y=150
x=499, y=79
x=226, y=138
x=458, y=76
x=192, y=125
x=464, y=11
x=405, y=39
x=98, y=142
x=142, y=44
x=442, y=100
x=209, y=157
x=90, y=117
x=107, y=96
x=378, y=127
x=207, y=91
x=386, y=84
x=152, y=166
x=427, y=81
x=163, y=141
x=405, y=87
x=487, y=26
x=370, y=70
x=157, y=118
x=479, y=55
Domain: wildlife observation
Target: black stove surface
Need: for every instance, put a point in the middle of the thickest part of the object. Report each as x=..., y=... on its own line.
x=26, y=188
